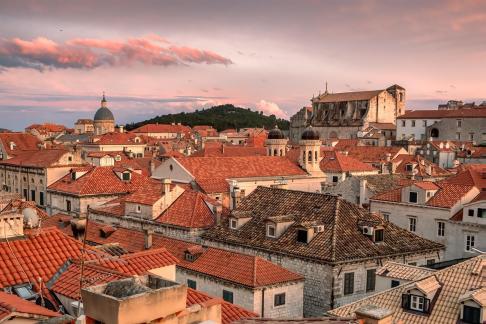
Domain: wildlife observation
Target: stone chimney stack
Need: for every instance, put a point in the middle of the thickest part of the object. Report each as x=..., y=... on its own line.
x=166, y=186
x=147, y=233
x=371, y=314
x=388, y=157
x=121, y=129
x=151, y=167
x=218, y=211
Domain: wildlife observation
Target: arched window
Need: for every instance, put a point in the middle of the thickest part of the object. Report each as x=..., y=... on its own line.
x=281, y=152
x=434, y=132
x=303, y=156
x=315, y=159
x=310, y=156
x=275, y=152
x=270, y=152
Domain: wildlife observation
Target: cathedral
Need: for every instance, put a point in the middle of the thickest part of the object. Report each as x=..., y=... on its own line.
x=343, y=115
x=104, y=121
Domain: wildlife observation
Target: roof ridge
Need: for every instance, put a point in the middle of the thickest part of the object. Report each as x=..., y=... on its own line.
x=334, y=229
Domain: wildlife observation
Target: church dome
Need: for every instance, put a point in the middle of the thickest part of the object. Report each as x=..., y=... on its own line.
x=310, y=134
x=275, y=134
x=103, y=113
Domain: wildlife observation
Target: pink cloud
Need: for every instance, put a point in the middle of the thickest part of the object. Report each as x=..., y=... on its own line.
x=88, y=53
x=271, y=108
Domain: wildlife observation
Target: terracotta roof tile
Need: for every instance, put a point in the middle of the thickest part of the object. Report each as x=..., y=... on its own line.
x=12, y=305
x=423, y=167
x=231, y=150
x=100, y=181
x=229, y=312
x=402, y=271
x=211, y=173
x=22, y=141
x=455, y=281
x=338, y=162
x=162, y=128
x=115, y=138
x=372, y=154
x=341, y=239
x=39, y=158
x=438, y=114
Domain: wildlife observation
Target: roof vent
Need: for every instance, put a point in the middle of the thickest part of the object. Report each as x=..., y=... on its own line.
x=367, y=230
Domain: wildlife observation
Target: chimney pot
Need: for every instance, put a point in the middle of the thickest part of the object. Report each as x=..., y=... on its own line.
x=148, y=238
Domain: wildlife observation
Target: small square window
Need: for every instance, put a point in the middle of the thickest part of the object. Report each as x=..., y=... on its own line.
x=379, y=235
x=386, y=216
x=335, y=179
x=413, y=123
x=430, y=262
x=417, y=303
x=233, y=223
x=191, y=284
x=470, y=212
x=279, y=300
x=228, y=296
x=395, y=283
x=302, y=236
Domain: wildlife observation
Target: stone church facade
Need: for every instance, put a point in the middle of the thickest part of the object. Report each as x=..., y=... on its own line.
x=342, y=115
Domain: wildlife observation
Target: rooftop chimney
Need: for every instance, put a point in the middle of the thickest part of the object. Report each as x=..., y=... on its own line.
x=166, y=185
x=148, y=238
x=388, y=157
x=151, y=167
x=121, y=129
x=218, y=211
x=371, y=314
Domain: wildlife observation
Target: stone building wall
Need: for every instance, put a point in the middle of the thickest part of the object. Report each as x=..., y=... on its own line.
x=471, y=129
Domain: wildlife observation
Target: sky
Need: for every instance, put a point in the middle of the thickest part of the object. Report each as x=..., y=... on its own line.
x=158, y=57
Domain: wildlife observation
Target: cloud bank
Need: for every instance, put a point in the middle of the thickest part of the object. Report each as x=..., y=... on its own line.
x=271, y=108
x=89, y=53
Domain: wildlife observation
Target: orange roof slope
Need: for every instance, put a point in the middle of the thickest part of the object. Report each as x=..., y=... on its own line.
x=68, y=282
x=338, y=162
x=229, y=312
x=117, y=139
x=38, y=256
x=162, y=128
x=39, y=158
x=141, y=262
x=23, y=142
x=211, y=173
x=190, y=210
x=11, y=305
x=100, y=181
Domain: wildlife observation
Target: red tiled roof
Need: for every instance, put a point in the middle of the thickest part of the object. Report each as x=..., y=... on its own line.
x=190, y=210
x=229, y=312
x=470, y=175
x=23, y=142
x=140, y=262
x=371, y=154
x=447, y=195
x=338, y=162
x=211, y=173
x=231, y=150
x=427, y=185
x=100, y=181
x=39, y=158
x=12, y=305
x=47, y=128
x=115, y=138
x=422, y=169
x=162, y=128
x=343, y=143
x=348, y=96
x=37, y=256
x=68, y=282
x=438, y=114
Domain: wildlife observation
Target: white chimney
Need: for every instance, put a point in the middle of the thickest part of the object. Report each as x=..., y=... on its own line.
x=148, y=237
x=121, y=129
x=166, y=185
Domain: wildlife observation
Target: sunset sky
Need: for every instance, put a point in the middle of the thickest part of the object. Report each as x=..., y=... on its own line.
x=157, y=57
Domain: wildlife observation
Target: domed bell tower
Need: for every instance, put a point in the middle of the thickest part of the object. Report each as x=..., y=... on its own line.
x=104, y=121
x=276, y=143
x=310, y=151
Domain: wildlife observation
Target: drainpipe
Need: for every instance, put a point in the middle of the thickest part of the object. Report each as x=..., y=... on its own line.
x=263, y=302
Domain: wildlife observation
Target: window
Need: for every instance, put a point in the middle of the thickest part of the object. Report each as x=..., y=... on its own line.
x=386, y=216
x=335, y=179
x=413, y=123
x=70, y=158
x=408, y=168
x=41, y=198
x=459, y=123
x=270, y=230
x=403, y=123
x=126, y=176
x=279, y=299
x=412, y=224
x=379, y=235
x=370, y=279
x=395, y=283
x=470, y=242
x=73, y=175
x=430, y=262
x=25, y=194
x=348, y=283
x=68, y=205
x=233, y=223
x=481, y=213
x=417, y=303
x=412, y=197
x=139, y=209
x=471, y=136
x=228, y=296
x=32, y=195
x=440, y=229
x=412, y=263
x=458, y=136
x=302, y=236
x=191, y=284
x=471, y=314
x=424, y=123
x=470, y=212
x=24, y=292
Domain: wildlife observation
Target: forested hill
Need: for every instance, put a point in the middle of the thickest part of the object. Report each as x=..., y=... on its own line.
x=220, y=117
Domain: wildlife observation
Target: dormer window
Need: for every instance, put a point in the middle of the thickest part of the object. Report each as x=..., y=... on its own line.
x=73, y=175
x=471, y=314
x=233, y=223
x=412, y=197
x=415, y=303
x=126, y=176
x=117, y=158
x=271, y=230
x=409, y=167
x=302, y=235
x=379, y=235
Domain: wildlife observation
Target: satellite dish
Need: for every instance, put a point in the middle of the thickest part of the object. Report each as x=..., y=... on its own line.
x=31, y=219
